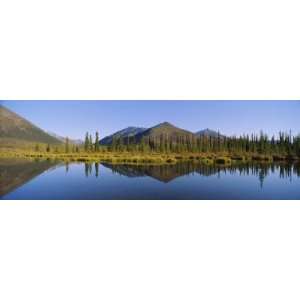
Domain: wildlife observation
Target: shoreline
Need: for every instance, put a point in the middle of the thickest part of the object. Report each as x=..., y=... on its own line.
x=152, y=158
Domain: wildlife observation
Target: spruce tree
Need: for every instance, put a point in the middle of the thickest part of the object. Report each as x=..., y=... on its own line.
x=97, y=142
x=86, y=142
x=114, y=144
x=91, y=143
x=67, y=145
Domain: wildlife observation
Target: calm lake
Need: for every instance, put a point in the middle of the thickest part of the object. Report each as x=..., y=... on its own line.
x=29, y=179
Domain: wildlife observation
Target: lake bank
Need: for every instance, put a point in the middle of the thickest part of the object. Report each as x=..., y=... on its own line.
x=150, y=158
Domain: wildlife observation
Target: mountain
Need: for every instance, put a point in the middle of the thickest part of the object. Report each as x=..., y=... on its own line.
x=13, y=126
x=208, y=132
x=164, y=173
x=165, y=129
x=63, y=139
x=124, y=133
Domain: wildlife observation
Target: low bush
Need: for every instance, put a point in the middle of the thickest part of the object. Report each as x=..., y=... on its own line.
x=207, y=161
x=238, y=157
x=278, y=158
x=292, y=157
x=223, y=160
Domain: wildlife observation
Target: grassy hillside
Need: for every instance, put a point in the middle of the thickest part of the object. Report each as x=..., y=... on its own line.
x=14, y=128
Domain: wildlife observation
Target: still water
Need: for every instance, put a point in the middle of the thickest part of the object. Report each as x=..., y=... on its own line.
x=24, y=179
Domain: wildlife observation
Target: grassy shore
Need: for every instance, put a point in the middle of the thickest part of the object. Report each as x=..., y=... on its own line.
x=145, y=158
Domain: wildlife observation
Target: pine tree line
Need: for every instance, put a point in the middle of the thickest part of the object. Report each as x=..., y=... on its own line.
x=286, y=144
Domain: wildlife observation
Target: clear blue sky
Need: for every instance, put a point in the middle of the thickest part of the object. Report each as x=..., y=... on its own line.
x=74, y=118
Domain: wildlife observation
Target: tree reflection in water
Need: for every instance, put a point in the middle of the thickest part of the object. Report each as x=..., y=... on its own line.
x=167, y=173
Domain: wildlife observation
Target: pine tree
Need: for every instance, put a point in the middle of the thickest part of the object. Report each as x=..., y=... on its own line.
x=67, y=145
x=48, y=148
x=91, y=143
x=86, y=142
x=114, y=144
x=121, y=145
x=97, y=142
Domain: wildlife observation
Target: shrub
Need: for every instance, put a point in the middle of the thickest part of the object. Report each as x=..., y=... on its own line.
x=170, y=160
x=238, y=157
x=291, y=157
x=207, y=161
x=223, y=160
x=278, y=158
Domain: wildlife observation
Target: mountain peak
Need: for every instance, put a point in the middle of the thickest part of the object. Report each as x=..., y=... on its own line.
x=163, y=129
x=167, y=123
x=164, y=124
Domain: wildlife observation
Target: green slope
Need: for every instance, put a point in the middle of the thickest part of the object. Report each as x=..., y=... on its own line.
x=13, y=126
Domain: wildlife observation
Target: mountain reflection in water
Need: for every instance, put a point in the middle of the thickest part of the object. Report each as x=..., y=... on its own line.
x=16, y=172
x=26, y=179
x=167, y=173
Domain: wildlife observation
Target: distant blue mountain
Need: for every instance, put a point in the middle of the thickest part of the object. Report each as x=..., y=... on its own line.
x=208, y=132
x=124, y=133
x=63, y=139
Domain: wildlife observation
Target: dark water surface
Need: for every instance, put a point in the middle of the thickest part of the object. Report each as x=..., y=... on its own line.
x=21, y=179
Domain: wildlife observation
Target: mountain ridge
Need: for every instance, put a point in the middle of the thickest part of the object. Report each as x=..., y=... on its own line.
x=14, y=126
x=156, y=131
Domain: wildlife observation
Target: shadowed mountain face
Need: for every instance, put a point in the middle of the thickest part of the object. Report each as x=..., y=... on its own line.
x=12, y=126
x=166, y=130
x=16, y=172
x=123, y=134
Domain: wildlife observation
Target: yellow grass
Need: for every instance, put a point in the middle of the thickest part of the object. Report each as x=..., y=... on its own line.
x=131, y=158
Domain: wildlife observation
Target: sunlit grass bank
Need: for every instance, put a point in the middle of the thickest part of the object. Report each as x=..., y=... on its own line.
x=144, y=158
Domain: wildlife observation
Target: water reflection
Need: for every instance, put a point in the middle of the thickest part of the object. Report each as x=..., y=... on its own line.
x=96, y=169
x=67, y=167
x=16, y=172
x=88, y=169
x=167, y=173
